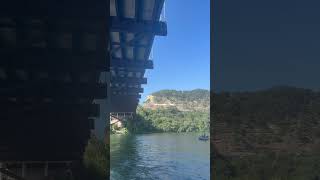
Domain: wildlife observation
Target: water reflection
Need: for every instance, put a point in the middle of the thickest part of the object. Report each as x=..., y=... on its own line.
x=159, y=156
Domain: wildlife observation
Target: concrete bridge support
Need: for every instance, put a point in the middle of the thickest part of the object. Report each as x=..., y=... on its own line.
x=100, y=123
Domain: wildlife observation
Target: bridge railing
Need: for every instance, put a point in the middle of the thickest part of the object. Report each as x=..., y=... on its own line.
x=121, y=115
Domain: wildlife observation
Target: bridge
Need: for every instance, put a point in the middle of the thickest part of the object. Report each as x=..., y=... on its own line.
x=120, y=116
x=134, y=25
x=64, y=67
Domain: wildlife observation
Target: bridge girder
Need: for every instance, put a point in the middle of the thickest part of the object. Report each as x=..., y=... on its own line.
x=135, y=26
x=132, y=34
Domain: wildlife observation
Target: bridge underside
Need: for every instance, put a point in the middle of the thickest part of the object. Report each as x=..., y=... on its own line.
x=134, y=24
x=57, y=59
x=53, y=59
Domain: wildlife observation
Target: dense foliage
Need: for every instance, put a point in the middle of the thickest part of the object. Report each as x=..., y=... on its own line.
x=279, y=126
x=95, y=161
x=193, y=95
x=170, y=120
x=114, y=129
x=282, y=110
x=269, y=166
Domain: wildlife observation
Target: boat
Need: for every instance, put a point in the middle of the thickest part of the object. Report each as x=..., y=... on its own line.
x=203, y=138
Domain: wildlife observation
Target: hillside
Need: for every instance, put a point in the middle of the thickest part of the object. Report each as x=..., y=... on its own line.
x=269, y=134
x=285, y=119
x=194, y=100
x=174, y=111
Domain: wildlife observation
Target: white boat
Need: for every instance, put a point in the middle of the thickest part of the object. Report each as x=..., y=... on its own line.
x=203, y=138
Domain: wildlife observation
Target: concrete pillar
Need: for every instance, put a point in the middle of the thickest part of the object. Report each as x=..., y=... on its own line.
x=102, y=122
x=23, y=170
x=1, y=166
x=46, y=169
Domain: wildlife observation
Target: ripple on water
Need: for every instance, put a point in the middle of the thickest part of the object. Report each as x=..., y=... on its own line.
x=160, y=156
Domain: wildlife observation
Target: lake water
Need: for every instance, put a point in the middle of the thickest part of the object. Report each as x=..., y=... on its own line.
x=163, y=156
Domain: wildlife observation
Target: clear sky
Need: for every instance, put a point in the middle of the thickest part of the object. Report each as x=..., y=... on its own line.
x=182, y=58
x=260, y=44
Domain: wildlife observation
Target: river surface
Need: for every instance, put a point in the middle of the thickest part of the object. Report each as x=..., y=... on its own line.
x=163, y=156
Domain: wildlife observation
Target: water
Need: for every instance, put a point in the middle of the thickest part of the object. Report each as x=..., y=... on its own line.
x=163, y=156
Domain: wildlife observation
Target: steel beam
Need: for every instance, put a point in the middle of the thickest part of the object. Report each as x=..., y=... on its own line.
x=135, y=45
x=42, y=110
x=65, y=64
x=137, y=96
x=144, y=64
x=54, y=90
x=127, y=89
x=72, y=8
x=128, y=25
x=128, y=80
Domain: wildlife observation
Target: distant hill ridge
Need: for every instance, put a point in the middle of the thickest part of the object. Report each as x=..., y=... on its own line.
x=194, y=100
x=281, y=119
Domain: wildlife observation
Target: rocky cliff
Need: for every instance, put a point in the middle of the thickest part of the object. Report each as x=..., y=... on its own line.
x=194, y=100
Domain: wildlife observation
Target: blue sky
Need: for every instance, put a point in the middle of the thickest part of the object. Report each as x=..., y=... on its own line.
x=260, y=44
x=182, y=58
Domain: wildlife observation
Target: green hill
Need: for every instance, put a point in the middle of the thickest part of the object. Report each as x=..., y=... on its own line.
x=194, y=100
x=276, y=115
x=174, y=111
x=268, y=134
